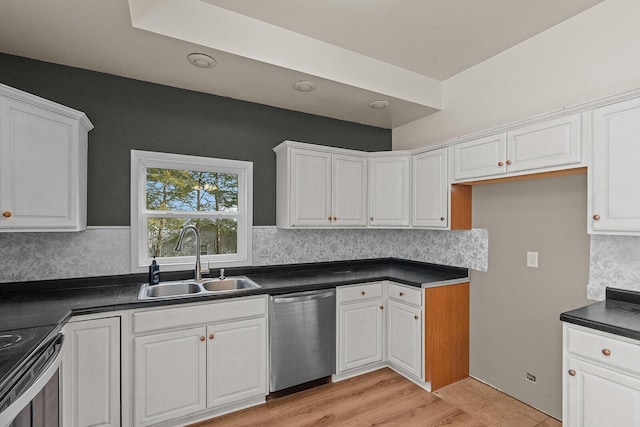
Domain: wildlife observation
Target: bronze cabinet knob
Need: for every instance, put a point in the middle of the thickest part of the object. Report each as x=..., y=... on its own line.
x=500, y=164
x=381, y=307
x=572, y=372
x=401, y=294
x=211, y=336
x=508, y=162
x=441, y=218
x=335, y=218
x=416, y=317
x=6, y=214
x=362, y=292
x=202, y=338
x=596, y=217
x=606, y=352
x=370, y=218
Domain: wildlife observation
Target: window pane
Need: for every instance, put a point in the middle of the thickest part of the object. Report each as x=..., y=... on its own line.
x=180, y=190
x=216, y=236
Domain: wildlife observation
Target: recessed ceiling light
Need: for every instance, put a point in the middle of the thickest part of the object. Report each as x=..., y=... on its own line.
x=201, y=60
x=378, y=105
x=304, y=86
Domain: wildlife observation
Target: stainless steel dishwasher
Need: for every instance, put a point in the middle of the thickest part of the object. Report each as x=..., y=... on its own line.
x=302, y=337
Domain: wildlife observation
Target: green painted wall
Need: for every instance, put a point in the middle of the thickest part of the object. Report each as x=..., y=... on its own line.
x=131, y=114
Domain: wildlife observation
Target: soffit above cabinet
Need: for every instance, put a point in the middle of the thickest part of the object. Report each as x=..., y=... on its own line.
x=262, y=50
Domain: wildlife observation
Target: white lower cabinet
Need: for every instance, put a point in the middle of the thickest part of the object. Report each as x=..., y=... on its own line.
x=170, y=375
x=236, y=361
x=360, y=334
x=90, y=373
x=601, y=379
x=380, y=322
x=196, y=372
x=405, y=337
x=601, y=397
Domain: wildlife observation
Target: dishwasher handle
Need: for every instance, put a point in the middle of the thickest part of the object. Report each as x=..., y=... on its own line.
x=302, y=296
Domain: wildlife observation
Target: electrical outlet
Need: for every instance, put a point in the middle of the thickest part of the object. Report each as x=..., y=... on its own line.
x=530, y=377
x=532, y=259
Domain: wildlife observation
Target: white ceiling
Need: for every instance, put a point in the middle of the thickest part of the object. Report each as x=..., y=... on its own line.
x=356, y=51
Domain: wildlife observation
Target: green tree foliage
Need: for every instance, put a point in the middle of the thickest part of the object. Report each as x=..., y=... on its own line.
x=189, y=192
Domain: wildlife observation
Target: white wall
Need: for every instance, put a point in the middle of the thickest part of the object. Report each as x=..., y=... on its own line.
x=514, y=322
x=590, y=56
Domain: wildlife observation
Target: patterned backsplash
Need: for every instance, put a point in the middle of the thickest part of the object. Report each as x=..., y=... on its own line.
x=106, y=251
x=615, y=260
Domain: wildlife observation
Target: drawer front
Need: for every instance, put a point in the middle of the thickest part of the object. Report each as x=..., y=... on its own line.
x=359, y=292
x=200, y=314
x=405, y=294
x=603, y=349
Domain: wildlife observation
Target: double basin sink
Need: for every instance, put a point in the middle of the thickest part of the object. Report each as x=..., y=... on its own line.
x=193, y=288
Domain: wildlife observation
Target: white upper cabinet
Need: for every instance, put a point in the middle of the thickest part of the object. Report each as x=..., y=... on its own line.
x=310, y=188
x=318, y=188
x=614, y=193
x=430, y=185
x=43, y=164
x=389, y=190
x=550, y=145
x=349, y=190
x=480, y=157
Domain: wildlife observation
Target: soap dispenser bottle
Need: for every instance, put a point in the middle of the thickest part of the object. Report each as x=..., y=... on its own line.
x=154, y=272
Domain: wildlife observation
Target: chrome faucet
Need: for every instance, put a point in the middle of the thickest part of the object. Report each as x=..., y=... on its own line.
x=198, y=271
x=222, y=276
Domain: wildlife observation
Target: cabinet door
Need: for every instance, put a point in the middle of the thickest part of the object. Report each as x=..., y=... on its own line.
x=430, y=189
x=481, y=157
x=41, y=171
x=615, y=193
x=360, y=334
x=310, y=188
x=236, y=361
x=597, y=396
x=91, y=373
x=389, y=202
x=405, y=337
x=551, y=143
x=349, y=189
x=170, y=375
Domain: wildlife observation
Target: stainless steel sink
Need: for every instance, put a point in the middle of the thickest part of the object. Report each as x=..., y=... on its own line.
x=229, y=284
x=172, y=289
x=192, y=288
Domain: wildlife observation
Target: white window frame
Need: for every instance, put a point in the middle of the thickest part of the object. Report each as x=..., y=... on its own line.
x=140, y=161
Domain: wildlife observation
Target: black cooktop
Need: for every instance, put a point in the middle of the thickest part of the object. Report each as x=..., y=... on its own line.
x=16, y=348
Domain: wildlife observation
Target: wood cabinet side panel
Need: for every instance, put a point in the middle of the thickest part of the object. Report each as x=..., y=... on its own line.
x=461, y=207
x=446, y=334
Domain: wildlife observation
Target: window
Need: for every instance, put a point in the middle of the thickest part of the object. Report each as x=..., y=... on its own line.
x=170, y=191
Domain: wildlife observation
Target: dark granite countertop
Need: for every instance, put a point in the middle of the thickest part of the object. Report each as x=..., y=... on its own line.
x=39, y=309
x=619, y=314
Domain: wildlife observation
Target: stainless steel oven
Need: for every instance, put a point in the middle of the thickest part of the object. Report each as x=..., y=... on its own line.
x=31, y=398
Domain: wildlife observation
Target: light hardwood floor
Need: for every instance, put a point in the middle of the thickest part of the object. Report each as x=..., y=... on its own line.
x=386, y=398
